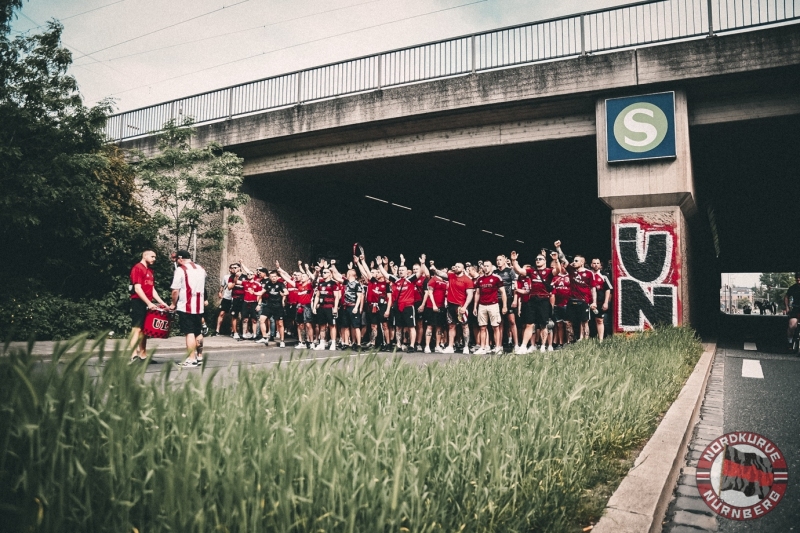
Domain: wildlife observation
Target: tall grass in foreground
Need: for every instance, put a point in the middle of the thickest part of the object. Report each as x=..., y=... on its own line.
x=502, y=444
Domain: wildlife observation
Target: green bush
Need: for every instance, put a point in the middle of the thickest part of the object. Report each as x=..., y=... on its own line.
x=45, y=316
x=350, y=444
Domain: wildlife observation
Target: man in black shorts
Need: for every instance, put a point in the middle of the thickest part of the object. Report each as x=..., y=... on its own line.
x=143, y=295
x=378, y=300
x=325, y=307
x=272, y=306
x=188, y=297
x=791, y=303
x=350, y=319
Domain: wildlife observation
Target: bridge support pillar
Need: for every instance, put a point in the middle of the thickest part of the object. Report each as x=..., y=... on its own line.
x=644, y=171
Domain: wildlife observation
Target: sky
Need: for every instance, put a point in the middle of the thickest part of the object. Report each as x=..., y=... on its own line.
x=143, y=52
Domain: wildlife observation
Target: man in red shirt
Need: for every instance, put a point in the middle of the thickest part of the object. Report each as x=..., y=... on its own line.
x=300, y=287
x=326, y=307
x=378, y=298
x=488, y=311
x=143, y=292
x=404, y=294
x=434, y=313
x=583, y=297
x=252, y=290
x=460, y=289
x=560, y=294
x=540, y=309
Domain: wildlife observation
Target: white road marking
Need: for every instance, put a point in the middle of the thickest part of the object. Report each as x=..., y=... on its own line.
x=751, y=368
x=750, y=346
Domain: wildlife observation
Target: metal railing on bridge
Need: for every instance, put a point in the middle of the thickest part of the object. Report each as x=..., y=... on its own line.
x=639, y=24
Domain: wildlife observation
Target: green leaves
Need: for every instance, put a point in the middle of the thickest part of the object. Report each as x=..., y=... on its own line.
x=191, y=187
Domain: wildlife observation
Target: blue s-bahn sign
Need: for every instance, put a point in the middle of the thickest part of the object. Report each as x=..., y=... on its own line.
x=640, y=127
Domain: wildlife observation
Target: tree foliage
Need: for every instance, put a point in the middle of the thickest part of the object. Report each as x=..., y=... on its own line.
x=71, y=222
x=191, y=187
x=774, y=285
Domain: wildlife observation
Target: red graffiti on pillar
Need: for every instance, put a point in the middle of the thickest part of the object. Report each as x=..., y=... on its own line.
x=646, y=263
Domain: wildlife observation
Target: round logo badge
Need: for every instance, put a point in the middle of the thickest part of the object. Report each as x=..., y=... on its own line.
x=640, y=127
x=742, y=475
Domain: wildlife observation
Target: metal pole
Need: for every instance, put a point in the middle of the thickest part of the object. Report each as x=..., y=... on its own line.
x=473, y=53
x=299, y=87
x=230, y=103
x=583, y=37
x=194, y=244
x=710, y=20
x=380, y=71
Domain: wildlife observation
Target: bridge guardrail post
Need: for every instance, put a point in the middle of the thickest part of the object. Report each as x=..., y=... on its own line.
x=299, y=88
x=380, y=71
x=230, y=103
x=710, y=20
x=583, y=36
x=473, y=53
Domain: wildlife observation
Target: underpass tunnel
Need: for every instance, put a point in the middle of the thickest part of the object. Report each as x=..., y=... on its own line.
x=454, y=206
x=746, y=183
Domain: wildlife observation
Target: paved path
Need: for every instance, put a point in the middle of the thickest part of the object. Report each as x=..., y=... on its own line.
x=752, y=387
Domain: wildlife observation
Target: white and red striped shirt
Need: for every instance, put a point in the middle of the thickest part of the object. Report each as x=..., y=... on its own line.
x=190, y=281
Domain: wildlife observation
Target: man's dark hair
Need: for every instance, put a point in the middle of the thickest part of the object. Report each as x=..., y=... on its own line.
x=183, y=254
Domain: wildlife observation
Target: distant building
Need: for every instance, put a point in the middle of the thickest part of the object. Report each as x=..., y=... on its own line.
x=729, y=297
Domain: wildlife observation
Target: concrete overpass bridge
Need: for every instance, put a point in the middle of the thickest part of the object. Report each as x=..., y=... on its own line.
x=511, y=139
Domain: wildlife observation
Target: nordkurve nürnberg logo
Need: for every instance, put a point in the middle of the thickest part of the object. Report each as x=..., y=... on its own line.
x=742, y=475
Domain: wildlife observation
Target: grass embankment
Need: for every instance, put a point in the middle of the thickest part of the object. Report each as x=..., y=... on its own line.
x=511, y=443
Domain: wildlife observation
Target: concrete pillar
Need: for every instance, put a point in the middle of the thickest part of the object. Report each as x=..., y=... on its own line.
x=651, y=200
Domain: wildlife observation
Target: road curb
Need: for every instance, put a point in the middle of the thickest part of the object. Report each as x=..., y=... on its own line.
x=640, y=502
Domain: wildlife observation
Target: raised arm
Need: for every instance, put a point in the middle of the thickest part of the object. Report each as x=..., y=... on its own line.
x=379, y=262
x=515, y=264
x=422, y=266
x=285, y=275
x=561, y=257
x=335, y=274
x=362, y=267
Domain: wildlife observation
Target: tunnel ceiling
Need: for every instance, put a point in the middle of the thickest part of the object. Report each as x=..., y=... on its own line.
x=535, y=193
x=746, y=179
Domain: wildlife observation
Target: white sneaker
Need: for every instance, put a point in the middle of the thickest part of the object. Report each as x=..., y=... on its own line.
x=236, y=336
x=530, y=349
x=550, y=348
x=498, y=350
x=263, y=340
x=543, y=348
x=320, y=346
x=518, y=350
x=438, y=349
x=247, y=336
x=466, y=350
x=448, y=349
x=282, y=345
x=427, y=349
x=480, y=351
x=332, y=346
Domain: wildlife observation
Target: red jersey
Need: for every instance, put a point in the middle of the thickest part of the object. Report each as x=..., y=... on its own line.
x=142, y=275
x=438, y=287
x=340, y=290
x=457, y=288
x=327, y=293
x=419, y=284
x=291, y=286
x=249, y=287
x=487, y=288
x=581, y=283
x=237, y=291
x=524, y=284
x=561, y=289
x=377, y=291
x=540, y=281
x=405, y=293
x=305, y=291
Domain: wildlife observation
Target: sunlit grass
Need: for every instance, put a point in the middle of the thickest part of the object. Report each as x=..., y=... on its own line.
x=502, y=444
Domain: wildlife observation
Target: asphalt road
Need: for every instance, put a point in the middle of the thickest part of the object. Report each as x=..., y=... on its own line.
x=769, y=406
x=228, y=358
